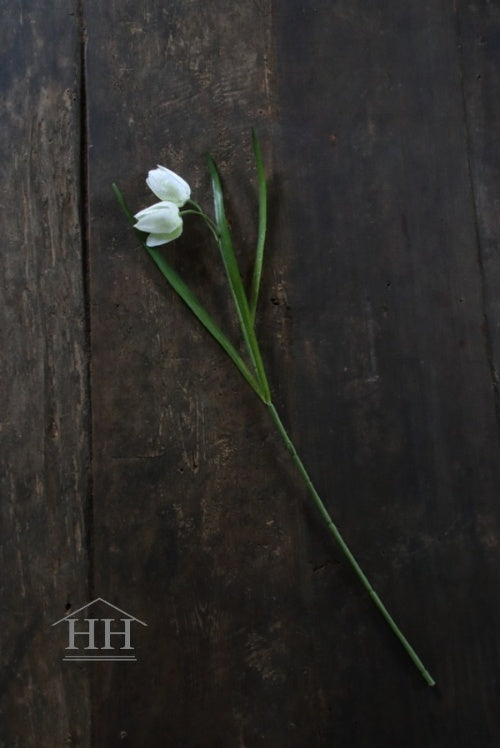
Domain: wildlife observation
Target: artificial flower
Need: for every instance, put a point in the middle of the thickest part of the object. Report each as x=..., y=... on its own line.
x=162, y=221
x=167, y=185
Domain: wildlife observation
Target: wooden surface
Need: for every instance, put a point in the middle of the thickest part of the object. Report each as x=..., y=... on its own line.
x=44, y=424
x=137, y=465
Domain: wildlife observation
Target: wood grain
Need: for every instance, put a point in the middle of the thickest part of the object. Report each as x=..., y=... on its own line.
x=44, y=407
x=189, y=533
x=379, y=327
x=478, y=27
x=373, y=323
x=390, y=339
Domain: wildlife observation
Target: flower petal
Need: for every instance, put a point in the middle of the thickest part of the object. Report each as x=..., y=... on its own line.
x=167, y=185
x=161, y=218
x=154, y=240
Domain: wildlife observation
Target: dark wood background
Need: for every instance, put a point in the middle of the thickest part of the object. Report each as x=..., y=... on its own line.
x=136, y=463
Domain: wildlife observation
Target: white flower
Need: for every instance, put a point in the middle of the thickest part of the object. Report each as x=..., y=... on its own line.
x=162, y=221
x=168, y=186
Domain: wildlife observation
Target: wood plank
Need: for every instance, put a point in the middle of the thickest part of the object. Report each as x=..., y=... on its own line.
x=478, y=26
x=43, y=399
x=389, y=338
x=372, y=318
x=185, y=536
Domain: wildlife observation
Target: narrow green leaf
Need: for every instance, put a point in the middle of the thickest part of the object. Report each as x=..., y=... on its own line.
x=261, y=236
x=234, y=278
x=203, y=316
x=122, y=203
x=192, y=302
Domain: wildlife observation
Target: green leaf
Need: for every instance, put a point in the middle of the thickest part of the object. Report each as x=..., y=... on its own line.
x=192, y=302
x=234, y=279
x=261, y=236
x=203, y=316
x=122, y=203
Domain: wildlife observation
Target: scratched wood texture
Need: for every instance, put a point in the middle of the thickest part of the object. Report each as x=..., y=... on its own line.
x=136, y=463
x=44, y=456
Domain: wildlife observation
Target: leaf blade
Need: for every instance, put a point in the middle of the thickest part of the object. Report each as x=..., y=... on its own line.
x=262, y=226
x=191, y=301
x=234, y=278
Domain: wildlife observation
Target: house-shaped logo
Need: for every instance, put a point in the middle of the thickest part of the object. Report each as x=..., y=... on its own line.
x=99, y=639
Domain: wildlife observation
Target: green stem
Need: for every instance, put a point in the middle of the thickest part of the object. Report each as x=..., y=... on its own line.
x=345, y=548
x=197, y=211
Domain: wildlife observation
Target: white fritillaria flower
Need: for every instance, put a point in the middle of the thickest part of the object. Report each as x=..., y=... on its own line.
x=167, y=185
x=162, y=221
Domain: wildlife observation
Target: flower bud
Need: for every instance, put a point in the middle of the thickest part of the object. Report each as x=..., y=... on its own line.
x=168, y=186
x=162, y=221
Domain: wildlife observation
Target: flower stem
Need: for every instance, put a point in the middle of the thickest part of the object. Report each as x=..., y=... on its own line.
x=197, y=211
x=345, y=548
